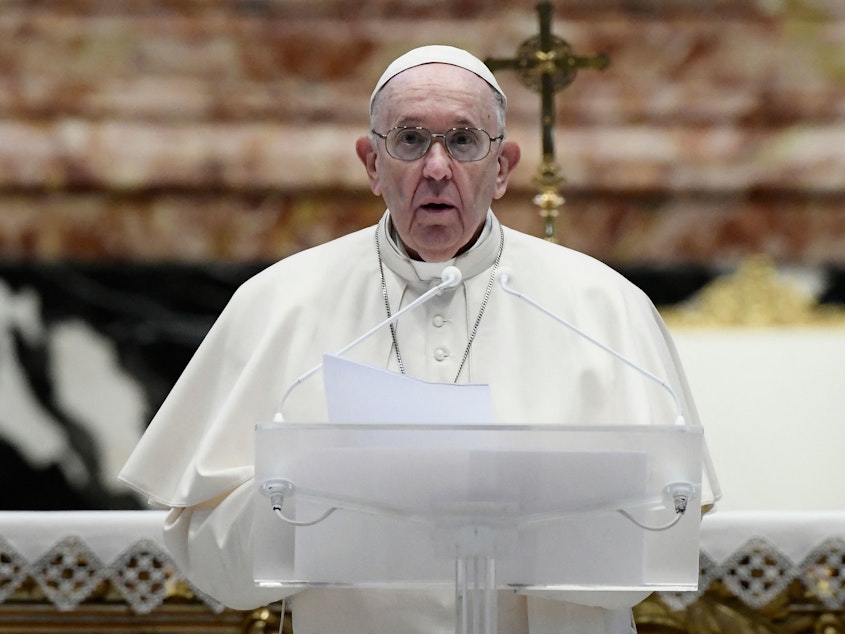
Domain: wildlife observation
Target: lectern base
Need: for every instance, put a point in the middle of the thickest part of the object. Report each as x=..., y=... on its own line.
x=476, y=596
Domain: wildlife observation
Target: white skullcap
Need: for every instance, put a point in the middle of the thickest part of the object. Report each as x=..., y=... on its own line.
x=437, y=54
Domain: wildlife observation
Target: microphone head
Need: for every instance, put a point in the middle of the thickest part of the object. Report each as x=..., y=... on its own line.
x=504, y=275
x=451, y=276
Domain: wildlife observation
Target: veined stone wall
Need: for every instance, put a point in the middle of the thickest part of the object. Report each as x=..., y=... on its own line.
x=198, y=130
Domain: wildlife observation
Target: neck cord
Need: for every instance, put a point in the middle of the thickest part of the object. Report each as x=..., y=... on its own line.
x=472, y=334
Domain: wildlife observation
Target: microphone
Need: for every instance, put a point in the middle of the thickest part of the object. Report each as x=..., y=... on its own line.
x=504, y=275
x=450, y=278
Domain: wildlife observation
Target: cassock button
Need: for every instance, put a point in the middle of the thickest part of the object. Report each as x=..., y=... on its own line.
x=438, y=321
x=440, y=354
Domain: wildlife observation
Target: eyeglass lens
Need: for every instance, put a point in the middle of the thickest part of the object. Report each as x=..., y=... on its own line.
x=464, y=144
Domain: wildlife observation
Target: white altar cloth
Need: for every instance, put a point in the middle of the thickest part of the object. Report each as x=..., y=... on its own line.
x=736, y=546
x=70, y=554
x=794, y=534
x=107, y=533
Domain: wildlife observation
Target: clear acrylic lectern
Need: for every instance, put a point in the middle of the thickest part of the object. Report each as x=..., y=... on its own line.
x=547, y=509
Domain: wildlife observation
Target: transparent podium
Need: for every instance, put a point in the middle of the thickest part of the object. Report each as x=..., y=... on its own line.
x=555, y=510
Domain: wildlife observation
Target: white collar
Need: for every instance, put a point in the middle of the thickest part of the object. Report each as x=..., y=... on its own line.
x=477, y=259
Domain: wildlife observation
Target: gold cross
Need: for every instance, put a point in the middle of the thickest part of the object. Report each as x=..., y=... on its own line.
x=546, y=64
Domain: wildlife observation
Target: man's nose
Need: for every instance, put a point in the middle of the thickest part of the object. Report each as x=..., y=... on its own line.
x=438, y=161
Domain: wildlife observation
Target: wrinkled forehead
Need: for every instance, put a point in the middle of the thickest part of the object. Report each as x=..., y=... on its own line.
x=437, y=95
x=437, y=54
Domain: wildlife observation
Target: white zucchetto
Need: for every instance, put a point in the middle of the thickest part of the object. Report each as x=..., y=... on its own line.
x=437, y=54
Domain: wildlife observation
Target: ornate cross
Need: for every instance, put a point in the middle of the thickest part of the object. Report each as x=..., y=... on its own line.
x=546, y=64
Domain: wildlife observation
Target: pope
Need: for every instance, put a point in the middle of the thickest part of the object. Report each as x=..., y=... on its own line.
x=438, y=154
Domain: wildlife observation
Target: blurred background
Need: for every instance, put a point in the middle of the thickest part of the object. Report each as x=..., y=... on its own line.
x=156, y=153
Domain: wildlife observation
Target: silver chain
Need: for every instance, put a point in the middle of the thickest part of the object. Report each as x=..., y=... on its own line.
x=472, y=334
x=387, y=305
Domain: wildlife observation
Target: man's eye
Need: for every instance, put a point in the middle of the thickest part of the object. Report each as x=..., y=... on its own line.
x=410, y=137
x=463, y=138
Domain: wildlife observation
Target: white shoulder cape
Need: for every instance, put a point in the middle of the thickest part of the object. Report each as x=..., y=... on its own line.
x=279, y=323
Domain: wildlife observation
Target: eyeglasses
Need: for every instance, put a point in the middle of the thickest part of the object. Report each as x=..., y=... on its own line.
x=463, y=144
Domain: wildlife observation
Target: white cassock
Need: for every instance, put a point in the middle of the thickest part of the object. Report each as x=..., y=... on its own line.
x=197, y=454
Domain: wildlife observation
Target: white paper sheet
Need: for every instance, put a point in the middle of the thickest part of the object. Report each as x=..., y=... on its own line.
x=358, y=393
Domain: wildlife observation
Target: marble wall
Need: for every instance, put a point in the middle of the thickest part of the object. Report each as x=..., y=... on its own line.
x=176, y=130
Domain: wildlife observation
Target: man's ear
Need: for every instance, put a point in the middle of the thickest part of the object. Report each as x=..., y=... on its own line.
x=508, y=159
x=366, y=151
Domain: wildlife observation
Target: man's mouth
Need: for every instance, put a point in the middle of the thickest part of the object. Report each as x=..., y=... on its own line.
x=437, y=206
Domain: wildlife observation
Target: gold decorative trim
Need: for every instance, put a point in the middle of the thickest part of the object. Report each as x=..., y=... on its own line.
x=117, y=618
x=718, y=611
x=755, y=295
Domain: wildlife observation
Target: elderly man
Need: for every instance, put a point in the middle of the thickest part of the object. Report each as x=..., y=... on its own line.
x=437, y=154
